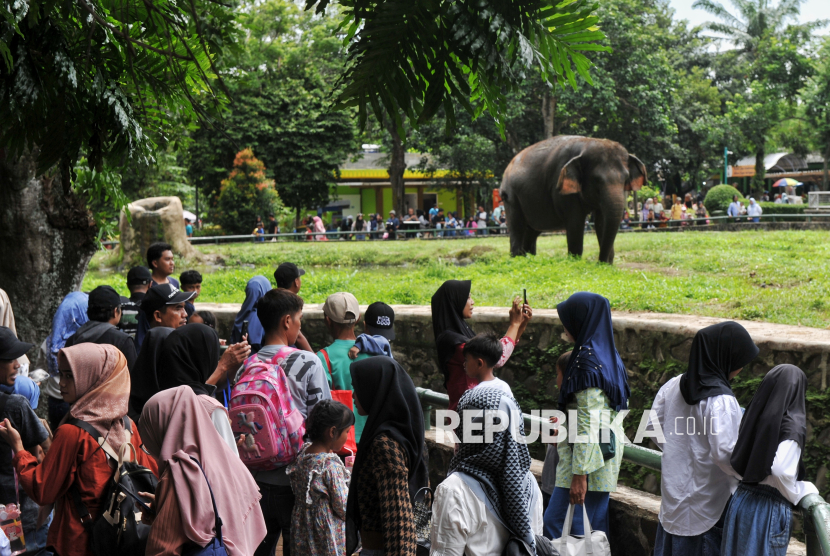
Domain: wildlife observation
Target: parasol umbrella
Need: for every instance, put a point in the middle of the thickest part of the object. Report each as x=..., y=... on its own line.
x=189, y=215
x=784, y=182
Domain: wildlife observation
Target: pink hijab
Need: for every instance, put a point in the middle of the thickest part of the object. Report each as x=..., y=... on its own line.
x=319, y=227
x=102, y=385
x=174, y=426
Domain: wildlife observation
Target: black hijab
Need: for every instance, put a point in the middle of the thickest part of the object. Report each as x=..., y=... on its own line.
x=777, y=412
x=717, y=350
x=448, y=322
x=388, y=394
x=144, y=374
x=188, y=357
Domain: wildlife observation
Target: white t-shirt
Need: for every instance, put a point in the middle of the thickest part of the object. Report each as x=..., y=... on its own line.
x=496, y=383
x=697, y=478
x=463, y=526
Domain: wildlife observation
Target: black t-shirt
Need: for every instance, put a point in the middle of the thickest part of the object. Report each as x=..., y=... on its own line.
x=32, y=433
x=273, y=227
x=105, y=333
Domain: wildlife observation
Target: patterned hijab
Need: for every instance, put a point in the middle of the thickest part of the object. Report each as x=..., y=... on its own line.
x=102, y=386
x=499, y=469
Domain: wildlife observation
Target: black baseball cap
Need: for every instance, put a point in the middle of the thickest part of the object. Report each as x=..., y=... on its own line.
x=139, y=276
x=161, y=295
x=379, y=320
x=104, y=296
x=286, y=273
x=10, y=346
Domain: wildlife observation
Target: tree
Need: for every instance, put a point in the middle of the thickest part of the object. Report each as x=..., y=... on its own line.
x=246, y=194
x=82, y=79
x=816, y=97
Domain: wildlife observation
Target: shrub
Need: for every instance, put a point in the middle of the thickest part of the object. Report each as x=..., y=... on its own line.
x=245, y=195
x=719, y=198
x=772, y=208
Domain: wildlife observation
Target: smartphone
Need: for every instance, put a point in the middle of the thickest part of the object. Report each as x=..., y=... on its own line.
x=244, y=329
x=525, y=292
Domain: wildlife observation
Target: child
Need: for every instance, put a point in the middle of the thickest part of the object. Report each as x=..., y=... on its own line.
x=768, y=455
x=191, y=281
x=552, y=454
x=318, y=479
x=379, y=331
x=481, y=353
x=204, y=317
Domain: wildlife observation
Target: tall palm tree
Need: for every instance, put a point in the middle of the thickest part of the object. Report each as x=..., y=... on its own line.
x=752, y=19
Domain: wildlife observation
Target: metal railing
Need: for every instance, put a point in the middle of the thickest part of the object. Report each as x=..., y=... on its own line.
x=815, y=199
x=690, y=224
x=815, y=510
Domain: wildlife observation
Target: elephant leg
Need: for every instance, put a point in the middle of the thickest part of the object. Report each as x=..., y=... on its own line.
x=530, y=238
x=517, y=227
x=575, y=232
x=607, y=228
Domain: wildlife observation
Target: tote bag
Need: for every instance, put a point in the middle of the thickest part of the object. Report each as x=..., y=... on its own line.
x=344, y=397
x=593, y=543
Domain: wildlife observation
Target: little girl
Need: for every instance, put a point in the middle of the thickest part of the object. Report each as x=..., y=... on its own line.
x=318, y=479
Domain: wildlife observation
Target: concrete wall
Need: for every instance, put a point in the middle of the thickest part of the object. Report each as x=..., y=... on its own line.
x=653, y=346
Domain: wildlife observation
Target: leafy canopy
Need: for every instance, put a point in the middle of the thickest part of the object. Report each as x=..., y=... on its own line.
x=412, y=57
x=246, y=194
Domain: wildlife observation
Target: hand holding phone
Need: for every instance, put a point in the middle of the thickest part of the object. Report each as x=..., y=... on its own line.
x=245, y=330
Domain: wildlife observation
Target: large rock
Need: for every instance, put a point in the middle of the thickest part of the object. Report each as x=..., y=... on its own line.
x=154, y=219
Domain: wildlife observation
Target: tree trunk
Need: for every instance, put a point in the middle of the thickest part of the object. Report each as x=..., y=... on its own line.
x=397, y=166
x=548, y=113
x=46, y=240
x=825, y=178
x=760, y=169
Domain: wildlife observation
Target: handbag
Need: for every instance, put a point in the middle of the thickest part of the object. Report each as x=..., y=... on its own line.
x=344, y=397
x=422, y=508
x=593, y=543
x=215, y=547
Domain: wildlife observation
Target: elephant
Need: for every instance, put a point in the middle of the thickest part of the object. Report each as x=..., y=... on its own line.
x=556, y=183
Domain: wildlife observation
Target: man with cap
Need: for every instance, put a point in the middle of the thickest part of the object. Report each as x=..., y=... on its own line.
x=288, y=277
x=21, y=416
x=162, y=306
x=138, y=282
x=104, y=312
x=392, y=225
x=341, y=313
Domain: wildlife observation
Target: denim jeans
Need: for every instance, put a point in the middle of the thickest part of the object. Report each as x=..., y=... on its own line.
x=596, y=503
x=758, y=522
x=277, y=504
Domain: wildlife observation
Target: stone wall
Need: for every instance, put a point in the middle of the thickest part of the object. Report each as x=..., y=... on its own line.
x=654, y=347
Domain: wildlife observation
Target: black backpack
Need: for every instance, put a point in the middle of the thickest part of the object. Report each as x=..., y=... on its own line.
x=118, y=530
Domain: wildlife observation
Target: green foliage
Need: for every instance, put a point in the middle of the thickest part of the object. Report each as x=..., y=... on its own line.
x=87, y=78
x=103, y=193
x=647, y=192
x=245, y=195
x=720, y=196
x=468, y=51
x=772, y=208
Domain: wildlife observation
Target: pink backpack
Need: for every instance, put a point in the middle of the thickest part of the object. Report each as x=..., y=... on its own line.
x=261, y=408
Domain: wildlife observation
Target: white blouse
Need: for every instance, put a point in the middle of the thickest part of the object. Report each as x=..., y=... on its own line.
x=697, y=478
x=463, y=526
x=785, y=471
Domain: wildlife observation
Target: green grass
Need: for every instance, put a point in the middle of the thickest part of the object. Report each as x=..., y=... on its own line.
x=779, y=277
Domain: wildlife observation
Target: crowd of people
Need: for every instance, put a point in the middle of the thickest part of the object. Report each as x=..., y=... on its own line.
x=415, y=223
x=326, y=450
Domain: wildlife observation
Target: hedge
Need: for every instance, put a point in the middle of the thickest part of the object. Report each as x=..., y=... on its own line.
x=719, y=197
x=772, y=208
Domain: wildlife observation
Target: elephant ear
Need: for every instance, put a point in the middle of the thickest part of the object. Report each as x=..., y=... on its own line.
x=637, y=176
x=568, y=183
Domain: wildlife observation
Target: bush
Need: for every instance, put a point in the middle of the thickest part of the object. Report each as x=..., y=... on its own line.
x=772, y=208
x=719, y=198
x=245, y=195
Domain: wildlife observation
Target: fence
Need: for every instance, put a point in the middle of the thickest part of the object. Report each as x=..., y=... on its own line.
x=692, y=224
x=818, y=199
x=815, y=510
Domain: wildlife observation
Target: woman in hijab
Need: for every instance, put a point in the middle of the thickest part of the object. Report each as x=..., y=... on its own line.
x=144, y=374
x=700, y=418
x=390, y=467
x=360, y=226
x=594, y=380
x=489, y=494
x=191, y=358
x=451, y=305
x=319, y=229
x=254, y=290
x=96, y=382
x=768, y=455
x=178, y=433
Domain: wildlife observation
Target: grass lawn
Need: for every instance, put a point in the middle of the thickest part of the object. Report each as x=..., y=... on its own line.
x=779, y=277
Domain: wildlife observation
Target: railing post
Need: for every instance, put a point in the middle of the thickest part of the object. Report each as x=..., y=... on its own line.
x=427, y=410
